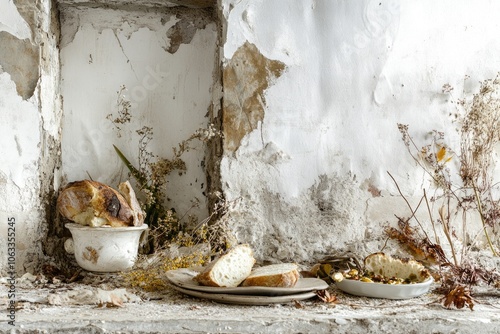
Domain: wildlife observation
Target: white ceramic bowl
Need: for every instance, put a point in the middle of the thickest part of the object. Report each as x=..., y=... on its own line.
x=105, y=249
x=389, y=291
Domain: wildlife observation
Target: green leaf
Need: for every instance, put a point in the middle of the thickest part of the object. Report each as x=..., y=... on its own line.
x=134, y=171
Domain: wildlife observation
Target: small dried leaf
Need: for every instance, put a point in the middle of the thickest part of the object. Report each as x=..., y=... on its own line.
x=297, y=304
x=326, y=296
x=459, y=296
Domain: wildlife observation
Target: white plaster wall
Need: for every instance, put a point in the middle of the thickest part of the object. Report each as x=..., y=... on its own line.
x=21, y=124
x=354, y=69
x=103, y=49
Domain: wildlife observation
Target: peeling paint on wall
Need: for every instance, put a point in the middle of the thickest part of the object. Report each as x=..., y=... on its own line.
x=28, y=9
x=183, y=31
x=247, y=75
x=30, y=124
x=354, y=69
x=181, y=23
x=157, y=4
x=19, y=58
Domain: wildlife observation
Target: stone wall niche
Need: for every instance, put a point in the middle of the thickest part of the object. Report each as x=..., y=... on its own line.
x=160, y=58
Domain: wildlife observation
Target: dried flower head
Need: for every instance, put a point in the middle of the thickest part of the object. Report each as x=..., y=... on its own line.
x=123, y=106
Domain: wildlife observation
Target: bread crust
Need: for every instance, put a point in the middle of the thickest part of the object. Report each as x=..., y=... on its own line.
x=206, y=277
x=128, y=193
x=93, y=203
x=285, y=279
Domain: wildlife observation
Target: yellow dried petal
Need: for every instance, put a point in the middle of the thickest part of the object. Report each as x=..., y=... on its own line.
x=441, y=154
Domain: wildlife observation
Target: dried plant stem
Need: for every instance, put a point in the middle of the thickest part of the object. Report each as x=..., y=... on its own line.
x=430, y=217
x=480, y=209
x=448, y=234
x=413, y=212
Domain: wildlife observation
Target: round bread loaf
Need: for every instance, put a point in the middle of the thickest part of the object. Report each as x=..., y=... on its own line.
x=95, y=204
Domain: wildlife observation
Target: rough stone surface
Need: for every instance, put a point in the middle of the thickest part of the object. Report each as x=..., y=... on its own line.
x=92, y=311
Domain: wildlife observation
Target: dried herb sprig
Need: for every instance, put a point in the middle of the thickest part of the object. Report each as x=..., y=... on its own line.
x=479, y=119
x=152, y=172
x=123, y=107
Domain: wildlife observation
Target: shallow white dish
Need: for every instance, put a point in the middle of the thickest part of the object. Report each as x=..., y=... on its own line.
x=183, y=278
x=388, y=291
x=245, y=299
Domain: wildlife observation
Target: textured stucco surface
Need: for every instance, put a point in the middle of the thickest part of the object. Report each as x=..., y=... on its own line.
x=29, y=123
x=333, y=78
x=312, y=173
x=313, y=91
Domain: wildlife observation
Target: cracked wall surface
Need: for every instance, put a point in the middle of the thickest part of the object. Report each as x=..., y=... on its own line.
x=311, y=95
x=142, y=3
x=29, y=123
x=164, y=52
x=309, y=159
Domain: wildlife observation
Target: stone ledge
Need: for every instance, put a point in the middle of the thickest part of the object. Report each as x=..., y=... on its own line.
x=172, y=312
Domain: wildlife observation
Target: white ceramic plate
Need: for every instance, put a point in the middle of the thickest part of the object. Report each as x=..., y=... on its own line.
x=183, y=278
x=379, y=290
x=245, y=299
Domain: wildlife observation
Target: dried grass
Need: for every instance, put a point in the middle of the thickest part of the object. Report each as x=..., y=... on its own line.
x=479, y=127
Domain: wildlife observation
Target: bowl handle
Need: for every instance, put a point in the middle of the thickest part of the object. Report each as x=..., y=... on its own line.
x=69, y=246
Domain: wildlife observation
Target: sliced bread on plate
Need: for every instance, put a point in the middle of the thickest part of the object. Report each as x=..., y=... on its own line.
x=284, y=275
x=230, y=269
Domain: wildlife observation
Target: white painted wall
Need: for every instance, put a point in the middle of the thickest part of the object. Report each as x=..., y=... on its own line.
x=354, y=70
x=103, y=49
x=23, y=124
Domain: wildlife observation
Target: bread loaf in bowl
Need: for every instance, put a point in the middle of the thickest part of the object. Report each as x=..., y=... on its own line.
x=96, y=204
x=387, y=266
x=283, y=275
x=230, y=269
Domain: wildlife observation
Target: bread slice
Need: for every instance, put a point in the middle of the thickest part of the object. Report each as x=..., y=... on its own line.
x=230, y=269
x=284, y=275
x=128, y=193
x=387, y=266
